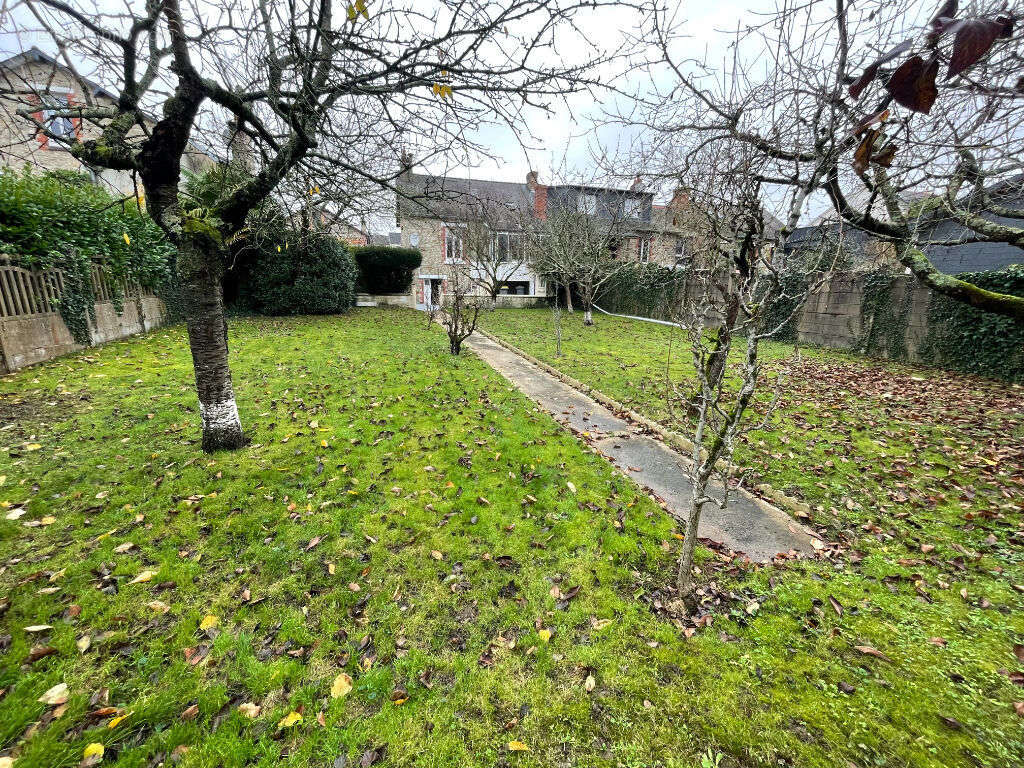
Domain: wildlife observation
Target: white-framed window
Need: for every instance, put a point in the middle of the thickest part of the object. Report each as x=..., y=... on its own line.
x=454, y=244
x=588, y=203
x=507, y=246
x=58, y=124
x=643, y=249
x=633, y=208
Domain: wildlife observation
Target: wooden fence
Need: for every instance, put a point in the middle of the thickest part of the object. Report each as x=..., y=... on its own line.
x=27, y=292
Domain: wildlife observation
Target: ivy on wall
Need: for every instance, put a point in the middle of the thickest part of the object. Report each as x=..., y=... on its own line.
x=646, y=290
x=62, y=220
x=965, y=339
x=884, y=316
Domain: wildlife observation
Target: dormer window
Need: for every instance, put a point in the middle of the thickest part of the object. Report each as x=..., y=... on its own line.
x=633, y=208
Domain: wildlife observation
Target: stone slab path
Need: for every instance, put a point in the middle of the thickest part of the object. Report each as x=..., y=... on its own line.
x=749, y=524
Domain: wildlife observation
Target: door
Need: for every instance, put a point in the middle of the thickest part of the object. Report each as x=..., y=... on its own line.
x=432, y=293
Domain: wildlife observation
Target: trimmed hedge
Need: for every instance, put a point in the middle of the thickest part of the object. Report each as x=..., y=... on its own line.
x=386, y=268
x=314, y=275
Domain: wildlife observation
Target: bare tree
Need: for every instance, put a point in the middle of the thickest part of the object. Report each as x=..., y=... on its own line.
x=729, y=303
x=907, y=121
x=495, y=244
x=460, y=307
x=308, y=84
x=577, y=247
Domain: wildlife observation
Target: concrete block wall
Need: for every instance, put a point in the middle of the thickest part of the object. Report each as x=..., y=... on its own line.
x=35, y=338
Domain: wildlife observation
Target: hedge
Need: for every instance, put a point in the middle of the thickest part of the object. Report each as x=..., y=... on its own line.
x=386, y=269
x=313, y=274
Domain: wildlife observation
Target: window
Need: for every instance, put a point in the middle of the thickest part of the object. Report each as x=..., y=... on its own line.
x=454, y=245
x=506, y=246
x=643, y=249
x=633, y=208
x=58, y=125
x=515, y=288
x=588, y=203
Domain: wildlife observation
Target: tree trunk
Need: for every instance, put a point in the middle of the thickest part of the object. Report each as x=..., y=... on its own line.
x=199, y=269
x=454, y=345
x=684, y=577
x=588, y=316
x=568, y=298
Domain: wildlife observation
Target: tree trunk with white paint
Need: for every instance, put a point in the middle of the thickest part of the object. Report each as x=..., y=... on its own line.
x=207, y=339
x=588, y=316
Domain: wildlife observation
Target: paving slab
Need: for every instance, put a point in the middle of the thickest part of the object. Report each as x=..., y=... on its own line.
x=747, y=524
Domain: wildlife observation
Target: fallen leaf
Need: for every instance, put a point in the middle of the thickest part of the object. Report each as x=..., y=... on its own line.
x=35, y=628
x=342, y=684
x=589, y=683
x=83, y=643
x=92, y=754
x=544, y=634
x=118, y=720
x=143, y=577
x=209, y=622
x=289, y=720
x=56, y=695
x=869, y=651
x=249, y=710
x=517, y=746
x=190, y=713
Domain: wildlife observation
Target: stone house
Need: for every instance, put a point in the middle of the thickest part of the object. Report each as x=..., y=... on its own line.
x=441, y=214
x=35, y=79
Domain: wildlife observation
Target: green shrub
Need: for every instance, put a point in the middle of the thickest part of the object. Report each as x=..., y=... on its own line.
x=312, y=274
x=385, y=268
x=62, y=220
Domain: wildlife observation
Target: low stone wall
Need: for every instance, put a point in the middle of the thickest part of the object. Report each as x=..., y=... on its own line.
x=385, y=299
x=37, y=337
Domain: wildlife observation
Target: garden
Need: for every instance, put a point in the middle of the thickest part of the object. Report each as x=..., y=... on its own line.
x=409, y=564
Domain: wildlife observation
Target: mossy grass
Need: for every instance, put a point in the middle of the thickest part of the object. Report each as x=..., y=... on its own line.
x=394, y=492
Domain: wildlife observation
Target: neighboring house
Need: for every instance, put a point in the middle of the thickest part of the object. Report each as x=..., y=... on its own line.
x=441, y=214
x=34, y=78
x=975, y=257
x=348, y=233
x=391, y=238
x=854, y=249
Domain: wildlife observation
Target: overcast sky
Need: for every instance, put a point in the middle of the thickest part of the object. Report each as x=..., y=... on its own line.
x=569, y=137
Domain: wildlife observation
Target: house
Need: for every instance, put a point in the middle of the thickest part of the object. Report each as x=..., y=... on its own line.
x=35, y=79
x=446, y=217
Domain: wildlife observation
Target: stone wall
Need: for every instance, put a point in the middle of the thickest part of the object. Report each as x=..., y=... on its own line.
x=35, y=338
x=837, y=315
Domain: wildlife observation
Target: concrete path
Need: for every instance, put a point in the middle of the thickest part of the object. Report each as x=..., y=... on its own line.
x=747, y=525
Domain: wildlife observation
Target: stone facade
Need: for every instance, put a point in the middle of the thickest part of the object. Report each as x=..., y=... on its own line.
x=28, y=79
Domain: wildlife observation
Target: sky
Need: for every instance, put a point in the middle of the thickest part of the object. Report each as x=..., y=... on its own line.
x=565, y=140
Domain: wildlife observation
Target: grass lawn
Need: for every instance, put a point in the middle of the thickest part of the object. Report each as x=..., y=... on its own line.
x=407, y=521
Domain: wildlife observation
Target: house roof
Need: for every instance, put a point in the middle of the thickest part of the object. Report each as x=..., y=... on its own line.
x=455, y=199
x=33, y=54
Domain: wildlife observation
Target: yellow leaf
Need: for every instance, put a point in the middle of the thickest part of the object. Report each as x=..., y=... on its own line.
x=437, y=89
x=127, y=240
x=352, y=13
x=6, y=762
x=323, y=443
x=143, y=577
x=545, y=634
x=342, y=685
x=118, y=720
x=158, y=606
x=289, y=720
x=517, y=746
x=33, y=447
x=209, y=622
x=48, y=520
x=94, y=750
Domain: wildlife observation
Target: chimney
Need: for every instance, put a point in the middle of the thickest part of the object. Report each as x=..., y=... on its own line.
x=540, y=201
x=531, y=180
x=405, y=163
x=240, y=148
